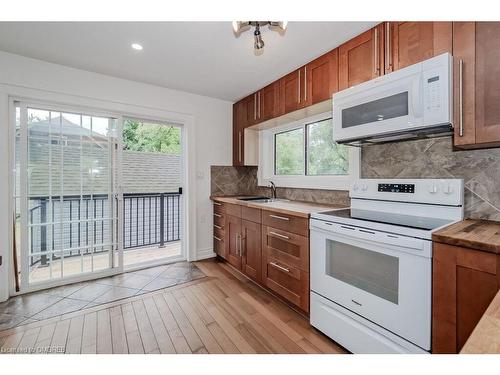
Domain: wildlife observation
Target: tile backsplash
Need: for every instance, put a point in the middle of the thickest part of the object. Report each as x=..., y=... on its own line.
x=227, y=180
x=429, y=158
x=435, y=158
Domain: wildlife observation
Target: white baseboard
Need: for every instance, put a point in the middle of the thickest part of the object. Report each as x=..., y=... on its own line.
x=205, y=254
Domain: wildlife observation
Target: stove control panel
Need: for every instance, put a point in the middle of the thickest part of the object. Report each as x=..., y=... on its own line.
x=397, y=188
x=426, y=190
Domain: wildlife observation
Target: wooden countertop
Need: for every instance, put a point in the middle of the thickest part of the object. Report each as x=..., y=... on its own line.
x=486, y=336
x=297, y=208
x=475, y=234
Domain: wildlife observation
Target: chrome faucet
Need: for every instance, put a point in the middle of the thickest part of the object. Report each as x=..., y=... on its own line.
x=273, y=189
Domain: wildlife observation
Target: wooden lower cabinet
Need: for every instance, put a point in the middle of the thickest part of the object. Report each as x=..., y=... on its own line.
x=233, y=240
x=251, y=258
x=289, y=282
x=464, y=283
x=276, y=257
x=285, y=265
x=243, y=240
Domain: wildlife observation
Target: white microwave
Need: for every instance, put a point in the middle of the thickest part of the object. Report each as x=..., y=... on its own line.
x=412, y=102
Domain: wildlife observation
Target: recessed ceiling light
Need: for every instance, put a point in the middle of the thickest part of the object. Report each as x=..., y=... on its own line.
x=136, y=46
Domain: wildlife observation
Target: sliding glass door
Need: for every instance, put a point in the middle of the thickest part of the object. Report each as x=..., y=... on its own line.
x=67, y=196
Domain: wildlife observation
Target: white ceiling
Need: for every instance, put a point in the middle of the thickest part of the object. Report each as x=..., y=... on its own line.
x=199, y=57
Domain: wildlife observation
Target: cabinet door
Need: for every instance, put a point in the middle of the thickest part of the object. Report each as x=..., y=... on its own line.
x=233, y=240
x=268, y=105
x=361, y=58
x=251, y=110
x=291, y=283
x=292, y=89
x=408, y=43
x=239, y=123
x=477, y=116
x=251, y=249
x=464, y=282
x=321, y=76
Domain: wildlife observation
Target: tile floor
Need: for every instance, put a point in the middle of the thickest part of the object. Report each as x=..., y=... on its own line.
x=64, y=299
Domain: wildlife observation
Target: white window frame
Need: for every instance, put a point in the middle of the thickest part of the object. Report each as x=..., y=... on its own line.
x=266, y=161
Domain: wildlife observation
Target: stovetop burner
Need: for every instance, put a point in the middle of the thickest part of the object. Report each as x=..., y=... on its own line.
x=408, y=221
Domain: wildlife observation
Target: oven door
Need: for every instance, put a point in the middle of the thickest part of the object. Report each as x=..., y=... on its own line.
x=382, y=277
x=381, y=106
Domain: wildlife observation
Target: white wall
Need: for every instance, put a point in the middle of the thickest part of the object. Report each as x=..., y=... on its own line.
x=210, y=123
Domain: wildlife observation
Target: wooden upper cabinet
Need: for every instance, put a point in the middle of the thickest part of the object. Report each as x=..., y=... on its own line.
x=269, y=102
x=251, y=110
x=408, y=43
x=292, y=91
x=239, y=122
x=321, y=78
x=361, y=58
x=476, y=49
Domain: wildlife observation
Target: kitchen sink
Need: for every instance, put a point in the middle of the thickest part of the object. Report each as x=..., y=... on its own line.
x=252, y=198
x=262, y=199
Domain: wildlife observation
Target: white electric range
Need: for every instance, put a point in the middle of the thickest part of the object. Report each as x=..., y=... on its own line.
x=371, y=264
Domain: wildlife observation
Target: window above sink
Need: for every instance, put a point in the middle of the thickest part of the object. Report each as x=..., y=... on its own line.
x=303, y=154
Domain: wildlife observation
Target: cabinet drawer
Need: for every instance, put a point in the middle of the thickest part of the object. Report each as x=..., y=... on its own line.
x=233, y=209
x=289, y=282
x=290, y=223
x=288, y=248
x=219, y=207
x=219, y=220
x=251, y=214
x=219, y=245
x=219, y=232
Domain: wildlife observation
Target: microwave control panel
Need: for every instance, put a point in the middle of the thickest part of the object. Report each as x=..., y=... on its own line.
x=433, y=94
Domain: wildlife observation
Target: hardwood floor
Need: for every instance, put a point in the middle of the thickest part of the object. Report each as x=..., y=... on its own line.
x=222, y=313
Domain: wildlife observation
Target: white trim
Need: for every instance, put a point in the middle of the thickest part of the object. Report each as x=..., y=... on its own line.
x=6, y=226
x=266, y=161
x=205, y=254
x=23, y=193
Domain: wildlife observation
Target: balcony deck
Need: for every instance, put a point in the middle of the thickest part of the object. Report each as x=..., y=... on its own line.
x=74, y=265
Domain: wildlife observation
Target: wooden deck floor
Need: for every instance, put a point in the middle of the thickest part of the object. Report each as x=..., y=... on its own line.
x=222, y=313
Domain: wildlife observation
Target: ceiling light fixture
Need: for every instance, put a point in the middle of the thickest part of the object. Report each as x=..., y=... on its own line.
x=241, y=26
x=136, y=46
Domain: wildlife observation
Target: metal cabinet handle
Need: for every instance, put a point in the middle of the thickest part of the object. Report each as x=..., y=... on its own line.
x=375, y=52
x=239, y=146
x=217, y=226
x=217, y=204
x=217, y=215
x=255, y=106
x=241, y=245
x=388, y=52
x=461, y=97
x=280, y=217
x=276, y=265
x=258, y=112
x=217, y=238
x=237, y=243
x=299, y=86
x=305, y=83
x=279, y=235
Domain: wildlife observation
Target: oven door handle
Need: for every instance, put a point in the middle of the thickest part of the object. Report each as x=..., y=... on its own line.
x=362, y=237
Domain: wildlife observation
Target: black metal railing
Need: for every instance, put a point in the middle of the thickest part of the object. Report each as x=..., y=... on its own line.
x=151, y=219
x=148, y=219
